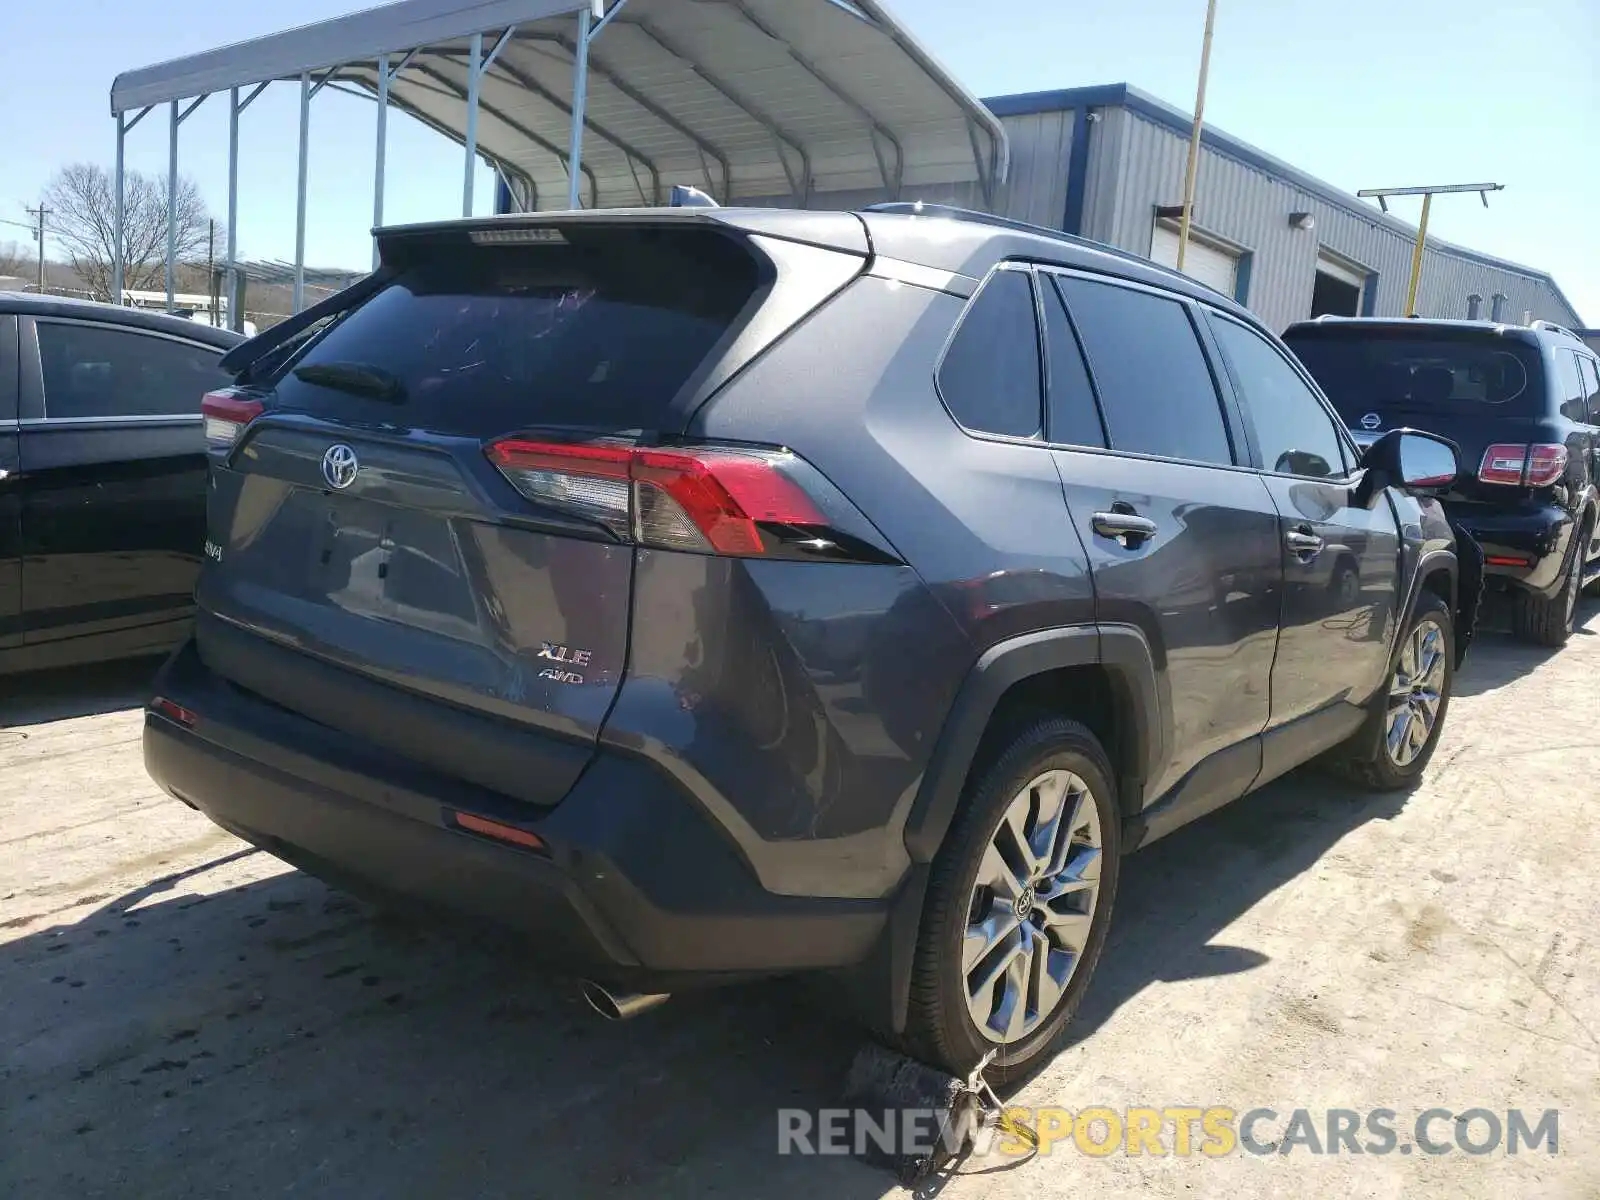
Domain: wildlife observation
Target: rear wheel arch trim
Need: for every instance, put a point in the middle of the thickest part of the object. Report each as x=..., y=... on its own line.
x=1121, y=649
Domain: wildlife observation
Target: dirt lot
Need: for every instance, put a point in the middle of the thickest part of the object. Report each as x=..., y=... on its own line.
x=181, y=1015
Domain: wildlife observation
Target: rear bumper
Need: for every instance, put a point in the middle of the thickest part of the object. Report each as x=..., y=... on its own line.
x=635, y=886
x=1539, y=538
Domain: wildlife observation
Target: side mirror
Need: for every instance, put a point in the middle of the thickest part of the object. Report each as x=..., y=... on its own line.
x=1420, y=463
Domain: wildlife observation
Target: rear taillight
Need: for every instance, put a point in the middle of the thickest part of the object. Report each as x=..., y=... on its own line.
x=1518, y=465
x=744, y=503
x=226, y=413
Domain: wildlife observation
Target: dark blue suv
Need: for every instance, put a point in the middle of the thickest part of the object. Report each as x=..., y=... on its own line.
x=1522, y=404
x=713, y=594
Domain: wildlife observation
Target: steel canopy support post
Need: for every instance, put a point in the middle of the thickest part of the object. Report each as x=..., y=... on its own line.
x=474, y=80
x=172, y=203
x=300, y=194
x=231, y=268
x=580, y=100
x=382, y=149
x=116, y=233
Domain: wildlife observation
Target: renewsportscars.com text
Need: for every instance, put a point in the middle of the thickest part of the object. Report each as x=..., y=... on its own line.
x=1178, y=1130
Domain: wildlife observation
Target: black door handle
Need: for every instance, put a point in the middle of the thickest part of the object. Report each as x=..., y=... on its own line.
x=1129, y=528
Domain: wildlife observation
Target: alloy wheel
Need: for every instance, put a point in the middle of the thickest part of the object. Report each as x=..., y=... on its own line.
x=1415, y=694
x=1032, y=906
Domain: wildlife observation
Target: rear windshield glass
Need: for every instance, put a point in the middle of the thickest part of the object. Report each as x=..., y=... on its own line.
x=599, y=333
x=1415, y=374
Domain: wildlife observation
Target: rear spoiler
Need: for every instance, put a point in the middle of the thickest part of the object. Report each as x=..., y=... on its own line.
x=247, y=353
x=841, y=231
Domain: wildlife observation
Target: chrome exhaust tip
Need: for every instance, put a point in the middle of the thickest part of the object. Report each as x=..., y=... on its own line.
x=621, y=1006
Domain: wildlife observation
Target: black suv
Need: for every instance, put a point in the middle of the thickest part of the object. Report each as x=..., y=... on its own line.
x=102, y=478
x=1523, y=406
x=715, y=593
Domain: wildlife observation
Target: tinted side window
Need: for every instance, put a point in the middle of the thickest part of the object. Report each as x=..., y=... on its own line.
x=98, y=371
x=1155, y=389
x=1569, y=387
x=8, y=368
x=1591, y=386
x=1074, y=415
x=1294, y=432
x=990, y=375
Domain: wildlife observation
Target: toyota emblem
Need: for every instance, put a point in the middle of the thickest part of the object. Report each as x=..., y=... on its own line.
x=1371, y=421
x=339, y=466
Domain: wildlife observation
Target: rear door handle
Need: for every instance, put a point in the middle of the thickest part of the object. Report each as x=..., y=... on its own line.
x=1128, y=528
x=1304, y=543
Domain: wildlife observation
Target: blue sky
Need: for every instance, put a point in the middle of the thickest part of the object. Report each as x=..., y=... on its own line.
x=1362, y=93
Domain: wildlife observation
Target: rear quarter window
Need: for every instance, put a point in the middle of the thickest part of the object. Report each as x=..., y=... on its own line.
x=990, y=376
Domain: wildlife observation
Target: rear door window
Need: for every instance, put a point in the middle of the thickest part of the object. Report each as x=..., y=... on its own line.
x=990, y=377
x=1155, y=386
x=1074, y=414
x=1294, y=432
x=1590, y=371
x=599, y=332
x=1569, y=387
x=98, y=370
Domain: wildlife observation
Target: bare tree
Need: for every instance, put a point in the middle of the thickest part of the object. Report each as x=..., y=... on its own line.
x=14, y=261
x=82, y=201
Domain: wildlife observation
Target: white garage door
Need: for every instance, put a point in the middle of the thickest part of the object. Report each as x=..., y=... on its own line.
x=1205, y=261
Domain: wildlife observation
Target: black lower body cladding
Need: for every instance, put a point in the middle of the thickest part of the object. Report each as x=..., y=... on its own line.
x=634, y=886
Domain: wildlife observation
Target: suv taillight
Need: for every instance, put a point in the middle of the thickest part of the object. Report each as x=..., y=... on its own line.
x=226, y=413
x=1518, y=465
x=737, y=502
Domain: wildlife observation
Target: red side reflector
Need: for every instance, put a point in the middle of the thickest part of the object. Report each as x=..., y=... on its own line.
x=174, y=711
x=498, y=831
x=1506, y=560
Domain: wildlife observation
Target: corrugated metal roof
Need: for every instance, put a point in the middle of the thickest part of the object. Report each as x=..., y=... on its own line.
x=745, y=98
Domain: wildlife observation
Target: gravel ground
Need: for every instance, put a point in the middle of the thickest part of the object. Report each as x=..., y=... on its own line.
x=181, y=1015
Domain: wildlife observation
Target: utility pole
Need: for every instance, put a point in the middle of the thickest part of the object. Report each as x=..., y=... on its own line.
x=1381, y=195
x=38, y=236
x=1193, y=168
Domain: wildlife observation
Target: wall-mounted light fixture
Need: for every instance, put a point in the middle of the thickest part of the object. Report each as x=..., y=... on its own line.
x=1302, y=220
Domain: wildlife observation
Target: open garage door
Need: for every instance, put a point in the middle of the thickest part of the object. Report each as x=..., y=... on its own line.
x=1207, y=261
x=1339, y=287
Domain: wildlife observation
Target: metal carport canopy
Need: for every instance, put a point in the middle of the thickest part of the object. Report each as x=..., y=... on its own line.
x=748, y=99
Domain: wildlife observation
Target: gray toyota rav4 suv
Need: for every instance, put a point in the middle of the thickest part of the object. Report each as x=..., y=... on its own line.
x=719, y=593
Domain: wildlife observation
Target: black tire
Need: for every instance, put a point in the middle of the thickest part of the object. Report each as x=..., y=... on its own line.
x=1549, y=621
x=1365, y=758
x=940, y=1028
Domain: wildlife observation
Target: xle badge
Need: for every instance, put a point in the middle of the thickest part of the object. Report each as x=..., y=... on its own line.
x=567, y=656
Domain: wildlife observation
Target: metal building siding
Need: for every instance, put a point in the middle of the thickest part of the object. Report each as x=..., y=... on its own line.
x=1102, y=181
x=1244, y=205
x=1041, y=148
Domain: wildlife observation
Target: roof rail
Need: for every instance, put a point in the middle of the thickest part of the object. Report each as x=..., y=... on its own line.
x=1552, y=327
x=921, y=208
